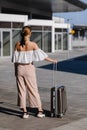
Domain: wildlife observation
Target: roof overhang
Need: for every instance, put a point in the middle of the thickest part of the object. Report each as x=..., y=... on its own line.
x=80, y=27
x=68, y=5
x=43, y=7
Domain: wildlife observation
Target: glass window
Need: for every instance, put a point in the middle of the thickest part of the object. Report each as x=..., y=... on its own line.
x=47, y=28
x=64, y=30
x=37, y=28
x=15, y=38
x=58, y=30
x=58, y=41
x=65, y=45
x=47, y=41
x=42, y=36
x=37, y=37
x=5, y=24
x=17, y=25
x=6, y=43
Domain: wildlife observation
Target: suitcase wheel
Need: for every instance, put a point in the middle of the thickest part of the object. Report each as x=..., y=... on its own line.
x=52, y=115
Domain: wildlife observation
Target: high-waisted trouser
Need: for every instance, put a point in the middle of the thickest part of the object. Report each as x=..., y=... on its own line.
x=27, y=84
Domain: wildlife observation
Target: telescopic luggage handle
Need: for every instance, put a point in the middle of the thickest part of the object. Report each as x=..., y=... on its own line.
x=54, y=73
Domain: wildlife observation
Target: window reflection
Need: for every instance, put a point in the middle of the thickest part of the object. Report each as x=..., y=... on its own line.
x=6, y=43
x=42, y=36
x=15, y=38
x=5, y=24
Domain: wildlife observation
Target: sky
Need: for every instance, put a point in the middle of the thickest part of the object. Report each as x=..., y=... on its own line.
x=74, y=17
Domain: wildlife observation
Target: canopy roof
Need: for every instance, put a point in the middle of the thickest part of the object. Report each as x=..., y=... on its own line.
x=42, y=7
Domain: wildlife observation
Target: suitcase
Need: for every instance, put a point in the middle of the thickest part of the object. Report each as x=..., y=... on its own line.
x=58, y=101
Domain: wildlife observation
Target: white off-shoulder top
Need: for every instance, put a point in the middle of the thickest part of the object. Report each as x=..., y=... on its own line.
x=26, y=57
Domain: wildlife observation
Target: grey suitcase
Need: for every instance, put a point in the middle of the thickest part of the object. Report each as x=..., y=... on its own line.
x=58, y=99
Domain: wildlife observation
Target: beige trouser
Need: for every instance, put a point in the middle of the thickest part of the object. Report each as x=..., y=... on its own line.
x=26, y=83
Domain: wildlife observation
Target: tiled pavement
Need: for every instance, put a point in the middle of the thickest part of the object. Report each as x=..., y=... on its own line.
x=71, y=72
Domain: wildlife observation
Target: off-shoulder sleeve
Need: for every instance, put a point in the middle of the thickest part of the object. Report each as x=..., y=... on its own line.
x=39, y=55
x=14, y=57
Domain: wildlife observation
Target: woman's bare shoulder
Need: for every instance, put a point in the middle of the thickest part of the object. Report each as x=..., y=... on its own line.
x=17, y=45
x=35, y=46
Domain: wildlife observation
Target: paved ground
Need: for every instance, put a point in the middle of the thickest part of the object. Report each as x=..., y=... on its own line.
x=72, y=72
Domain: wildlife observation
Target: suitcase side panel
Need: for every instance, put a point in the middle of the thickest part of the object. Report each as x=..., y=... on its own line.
x=64, y=101
x=58, y=101
x=61, y=101
x=53, y=101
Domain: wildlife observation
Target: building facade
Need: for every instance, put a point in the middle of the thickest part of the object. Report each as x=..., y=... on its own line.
x=50, y=35
x=79, y=39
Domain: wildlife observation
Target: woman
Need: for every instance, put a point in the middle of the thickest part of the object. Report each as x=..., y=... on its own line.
x=25, y=53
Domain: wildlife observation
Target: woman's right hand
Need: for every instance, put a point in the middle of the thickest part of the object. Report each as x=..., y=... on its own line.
x=55, y=61
x=51, y=60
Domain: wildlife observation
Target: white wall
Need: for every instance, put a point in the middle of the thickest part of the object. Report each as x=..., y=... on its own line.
x=11, y=17
x=39, y=22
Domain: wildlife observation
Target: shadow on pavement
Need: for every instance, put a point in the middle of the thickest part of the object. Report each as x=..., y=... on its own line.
x=34, y=111
x=12, y=110
x=77, y=65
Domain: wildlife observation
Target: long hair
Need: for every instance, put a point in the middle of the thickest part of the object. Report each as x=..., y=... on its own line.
x=26, y=30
